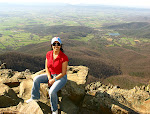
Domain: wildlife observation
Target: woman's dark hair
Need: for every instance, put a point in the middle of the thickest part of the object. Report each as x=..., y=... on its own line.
x=60, y=48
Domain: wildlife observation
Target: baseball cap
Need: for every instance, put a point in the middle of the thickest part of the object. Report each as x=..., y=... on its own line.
x=56, y=39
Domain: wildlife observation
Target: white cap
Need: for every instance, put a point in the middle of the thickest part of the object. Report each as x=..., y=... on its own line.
x=56, y=39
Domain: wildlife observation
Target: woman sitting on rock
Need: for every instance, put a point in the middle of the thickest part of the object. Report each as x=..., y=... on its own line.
x=56, y=77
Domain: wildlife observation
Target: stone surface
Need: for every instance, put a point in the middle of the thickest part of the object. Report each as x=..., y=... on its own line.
x=115, y=99
x=75, y=87
x=25, y=89
x=74, y=98
x=8, y=97
x=31, y=108
x=67, y=106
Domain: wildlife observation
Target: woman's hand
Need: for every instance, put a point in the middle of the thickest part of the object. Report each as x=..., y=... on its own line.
x=50, y=82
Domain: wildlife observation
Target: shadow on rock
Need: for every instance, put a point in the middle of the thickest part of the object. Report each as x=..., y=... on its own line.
x=45, y=108
x=103, y=103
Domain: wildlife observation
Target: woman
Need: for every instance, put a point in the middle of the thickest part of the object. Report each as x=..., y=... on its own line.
x=56, y=77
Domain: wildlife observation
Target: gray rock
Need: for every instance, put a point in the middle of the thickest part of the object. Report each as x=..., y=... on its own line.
x=8, y=97
x=67, y=106
x=3, y=66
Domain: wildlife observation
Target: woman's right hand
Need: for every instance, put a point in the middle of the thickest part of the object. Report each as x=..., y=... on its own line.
x=49, y=83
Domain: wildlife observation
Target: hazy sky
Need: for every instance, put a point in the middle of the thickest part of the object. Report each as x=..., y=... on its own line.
x=129, y=3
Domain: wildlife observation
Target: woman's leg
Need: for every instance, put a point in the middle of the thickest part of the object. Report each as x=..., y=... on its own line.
x=35, y=94
x=53, y=91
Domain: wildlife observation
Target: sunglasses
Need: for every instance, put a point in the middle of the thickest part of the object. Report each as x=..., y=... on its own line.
x=58, y=44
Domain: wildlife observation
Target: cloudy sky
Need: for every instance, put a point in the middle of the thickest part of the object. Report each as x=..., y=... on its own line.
x=129, y=3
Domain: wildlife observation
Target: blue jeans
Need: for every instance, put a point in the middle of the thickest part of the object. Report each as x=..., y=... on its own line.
x=57, y=85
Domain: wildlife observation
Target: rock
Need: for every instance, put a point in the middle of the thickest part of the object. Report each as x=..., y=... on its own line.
x=38, y=73
x=144, y=108
x=25, y=89
x=116, y=86
x=129, y=98
x=147, y=88
x=8, y=97
x=143, y=87
x=74, y=98
x=114, y=99
x=19, y=75
x=93, y=86
x=3, y=66
x=118, y=110
x=96, y=105
x=79, y=77
x=110, y=86
x=31, y=108
x=75, y=87
x=27, y=71
x=8, y=77
x=6, y=73
x=67, y=106
x=16, y=90
x=44, y=90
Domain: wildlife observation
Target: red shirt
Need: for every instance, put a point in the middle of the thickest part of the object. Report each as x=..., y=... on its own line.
x=55, y=67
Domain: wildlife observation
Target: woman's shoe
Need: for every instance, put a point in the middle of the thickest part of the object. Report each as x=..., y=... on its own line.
x=29, y=100
x=56, y=112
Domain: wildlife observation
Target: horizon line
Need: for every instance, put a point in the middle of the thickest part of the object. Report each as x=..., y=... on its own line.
x=61, y=3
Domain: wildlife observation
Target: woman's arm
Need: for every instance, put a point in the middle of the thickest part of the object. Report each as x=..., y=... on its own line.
x=47, y=71
x=64, y=71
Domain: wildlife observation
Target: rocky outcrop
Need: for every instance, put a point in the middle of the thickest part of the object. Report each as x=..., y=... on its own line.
x=8, y=97
x=75, y=98
x=112, y=99
x=21, y=84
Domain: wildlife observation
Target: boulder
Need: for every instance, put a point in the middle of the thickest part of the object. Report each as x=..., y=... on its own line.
x=131, y=98
x=38, y=73
x=25, y=89
x=12, y=78
x=74, y=97
x=96, y=104
x=144, y=107
x=31, y=108
x=75, y=87
x=115, y=109
x=67, y=106
x=8, y=97
x=114, y=99
x=3, y=66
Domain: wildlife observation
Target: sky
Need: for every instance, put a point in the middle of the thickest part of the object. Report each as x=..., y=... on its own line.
x=129, y=3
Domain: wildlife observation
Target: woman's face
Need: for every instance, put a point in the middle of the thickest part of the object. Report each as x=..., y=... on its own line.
x=56, y=46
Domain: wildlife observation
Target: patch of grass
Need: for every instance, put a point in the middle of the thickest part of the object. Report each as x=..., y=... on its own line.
x=71, y=23
x=117, y=44
x=85, y=39
x=122, y=82
x=137, y=74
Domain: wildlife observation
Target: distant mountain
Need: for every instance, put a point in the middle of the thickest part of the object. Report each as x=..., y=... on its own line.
x=136, y=29
x=61, y=4
x=132, y=25
x=18, y=4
